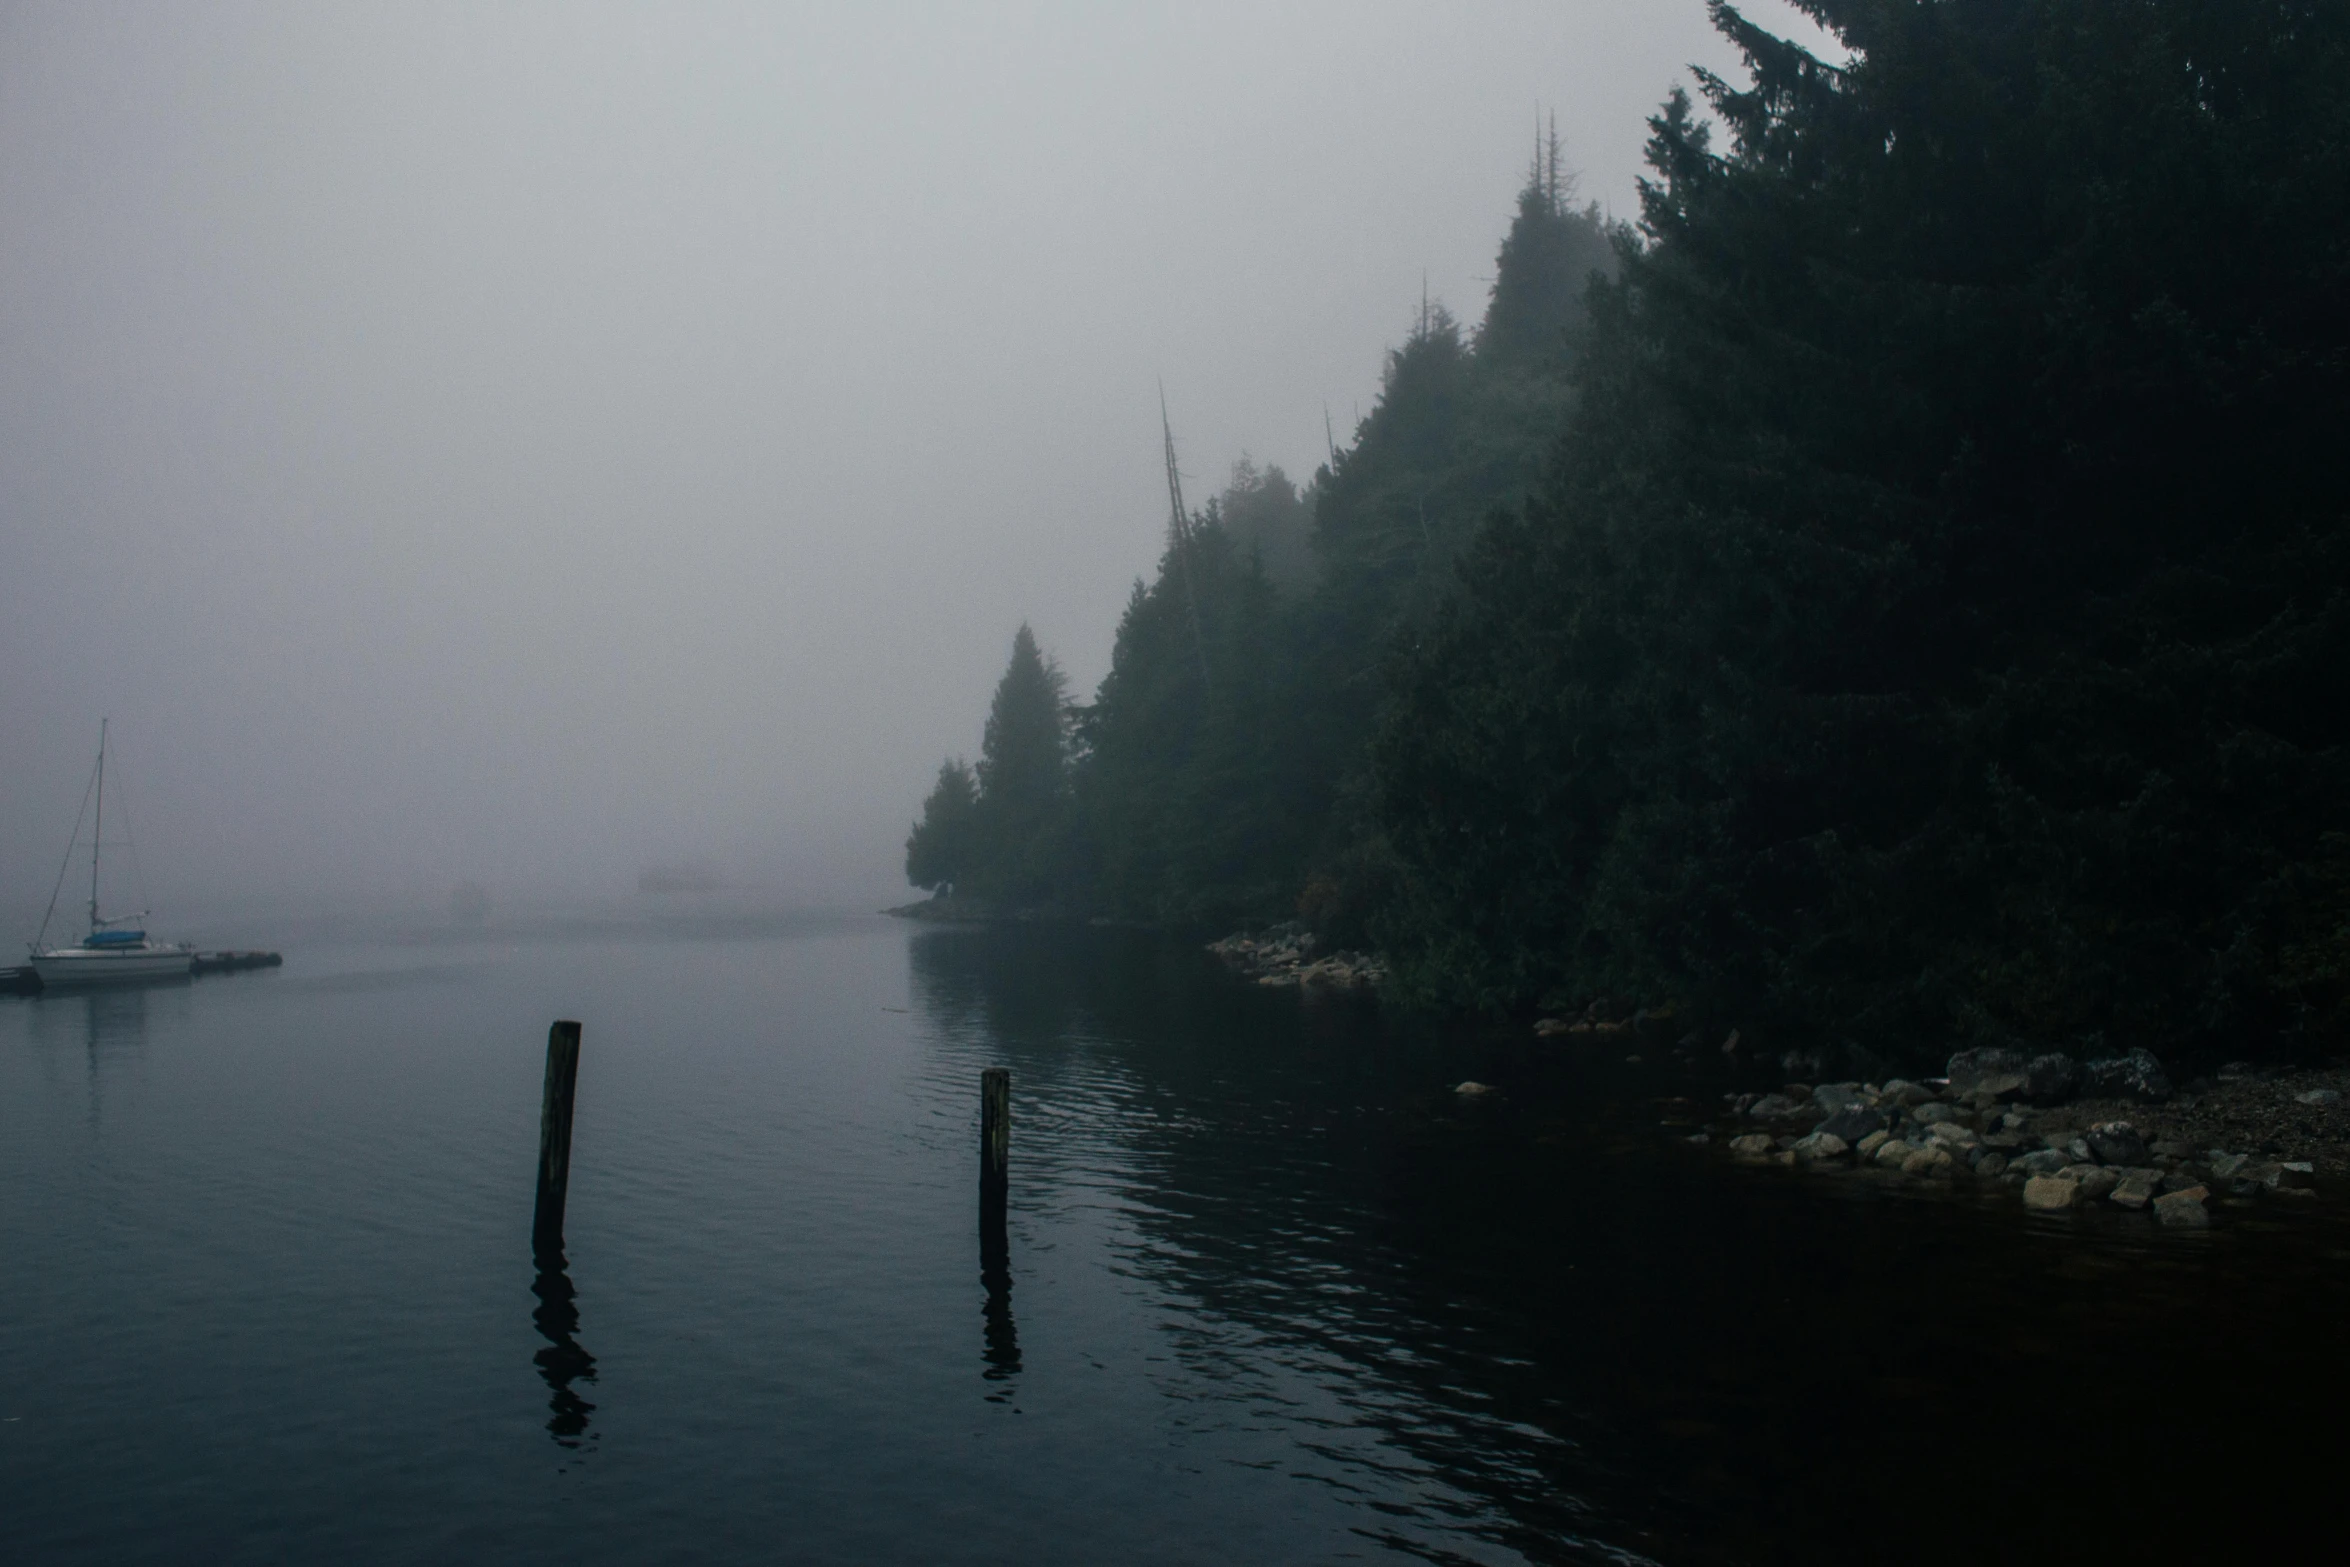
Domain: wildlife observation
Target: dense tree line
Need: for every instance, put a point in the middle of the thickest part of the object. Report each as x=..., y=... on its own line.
x=1898, y=595
x=1221, y=771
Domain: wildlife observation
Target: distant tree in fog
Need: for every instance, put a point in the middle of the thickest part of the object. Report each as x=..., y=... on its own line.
x=939, y=849
x=1266, y=514
x=1536, y=313
x=1024, y=753
x=1023, y=774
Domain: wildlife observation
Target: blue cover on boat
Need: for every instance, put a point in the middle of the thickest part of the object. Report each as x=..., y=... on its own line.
x=115, y=938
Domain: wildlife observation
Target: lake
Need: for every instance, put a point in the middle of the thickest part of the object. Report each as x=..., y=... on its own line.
x=1270, y=1292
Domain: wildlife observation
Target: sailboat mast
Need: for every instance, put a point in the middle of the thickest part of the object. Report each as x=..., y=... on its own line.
x=98, y=827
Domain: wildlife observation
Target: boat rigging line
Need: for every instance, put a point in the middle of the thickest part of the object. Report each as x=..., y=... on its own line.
x=66, y=864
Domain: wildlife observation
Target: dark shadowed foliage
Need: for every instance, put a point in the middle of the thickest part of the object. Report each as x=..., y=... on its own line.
x=1898, y=597
x=1935, y=630
x=940, y=849
x=1220, y=771
x=1001, y=831
x=1198, y=795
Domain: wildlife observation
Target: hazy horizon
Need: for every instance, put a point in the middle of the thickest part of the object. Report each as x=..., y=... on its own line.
x=530, y=445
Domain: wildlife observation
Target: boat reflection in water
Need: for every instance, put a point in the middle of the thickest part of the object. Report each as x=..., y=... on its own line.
x=564, y=1360
x=104, y=1031
x=112, y=1017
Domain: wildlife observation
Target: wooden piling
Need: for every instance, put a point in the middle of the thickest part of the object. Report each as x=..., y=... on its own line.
x=995, y=1132
x=546, y=1230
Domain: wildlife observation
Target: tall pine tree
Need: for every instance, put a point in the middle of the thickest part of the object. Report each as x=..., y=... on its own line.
x=1023, y=778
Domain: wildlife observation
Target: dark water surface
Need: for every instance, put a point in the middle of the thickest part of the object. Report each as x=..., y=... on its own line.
x=1270, y=1293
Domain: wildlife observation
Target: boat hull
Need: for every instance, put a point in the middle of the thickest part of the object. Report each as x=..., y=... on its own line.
x=77, y=968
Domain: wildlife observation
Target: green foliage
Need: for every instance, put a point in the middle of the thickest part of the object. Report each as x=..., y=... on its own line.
x=1219, y=774
x=1018, y=828
x=1265, y=515
x=1899, y=596
x=1536, y=317
x=941, y=849
x=1459, y=429
x=1937, y=625
x=1023, y=752
x=1197, y=792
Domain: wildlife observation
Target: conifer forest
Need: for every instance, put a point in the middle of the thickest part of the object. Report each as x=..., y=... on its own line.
x=1895, y=592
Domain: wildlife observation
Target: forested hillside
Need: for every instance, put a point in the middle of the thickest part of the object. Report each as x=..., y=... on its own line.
x=1898, y=595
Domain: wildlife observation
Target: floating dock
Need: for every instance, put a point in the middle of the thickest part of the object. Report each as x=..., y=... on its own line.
x=230, y=962
x=23, y=981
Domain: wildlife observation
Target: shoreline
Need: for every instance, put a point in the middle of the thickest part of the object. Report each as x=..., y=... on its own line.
x=2273, y=1136
x=2110, y=1134
x=1288, y=954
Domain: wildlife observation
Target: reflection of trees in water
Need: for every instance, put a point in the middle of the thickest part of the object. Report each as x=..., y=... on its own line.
x=563, y=1361
x=1266, y=1181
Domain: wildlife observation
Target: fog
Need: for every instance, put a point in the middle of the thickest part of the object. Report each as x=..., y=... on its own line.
x=530, y=443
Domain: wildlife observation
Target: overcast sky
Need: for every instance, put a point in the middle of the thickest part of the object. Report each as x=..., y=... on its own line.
x=531, y=442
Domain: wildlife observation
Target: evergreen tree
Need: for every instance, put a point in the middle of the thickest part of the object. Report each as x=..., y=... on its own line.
x=1265, y=515
x=1022, y=777
x=940, y=848
x=1459, y=430
x=1934, y=629
x=1198, y=799
x=1546, y=264
x=1222, y=798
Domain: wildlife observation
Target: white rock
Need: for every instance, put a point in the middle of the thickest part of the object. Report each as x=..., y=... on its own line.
x=2050, y=1192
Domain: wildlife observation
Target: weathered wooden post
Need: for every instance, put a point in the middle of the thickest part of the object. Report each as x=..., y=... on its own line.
x=995, y=1136
x=995, y=1249
x=546, y=1229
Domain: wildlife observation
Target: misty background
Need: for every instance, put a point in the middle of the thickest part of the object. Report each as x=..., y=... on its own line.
x=528, y=444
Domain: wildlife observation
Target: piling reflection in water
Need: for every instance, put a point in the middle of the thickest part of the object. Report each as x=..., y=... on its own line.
x=1000, y=1335
x=1226, y=1130
x=564, y=1361
x=1002, y=1351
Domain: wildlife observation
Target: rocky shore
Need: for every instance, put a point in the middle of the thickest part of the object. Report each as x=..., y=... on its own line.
x=1287, y=955
x=2111, y=1133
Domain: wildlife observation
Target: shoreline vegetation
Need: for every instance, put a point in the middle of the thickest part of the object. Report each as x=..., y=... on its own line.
x=1892, y=598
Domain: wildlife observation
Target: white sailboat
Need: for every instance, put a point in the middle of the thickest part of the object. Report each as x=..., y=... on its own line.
x=116, y=951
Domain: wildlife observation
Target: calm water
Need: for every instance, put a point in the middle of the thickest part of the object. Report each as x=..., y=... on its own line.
x=1271, y=1294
